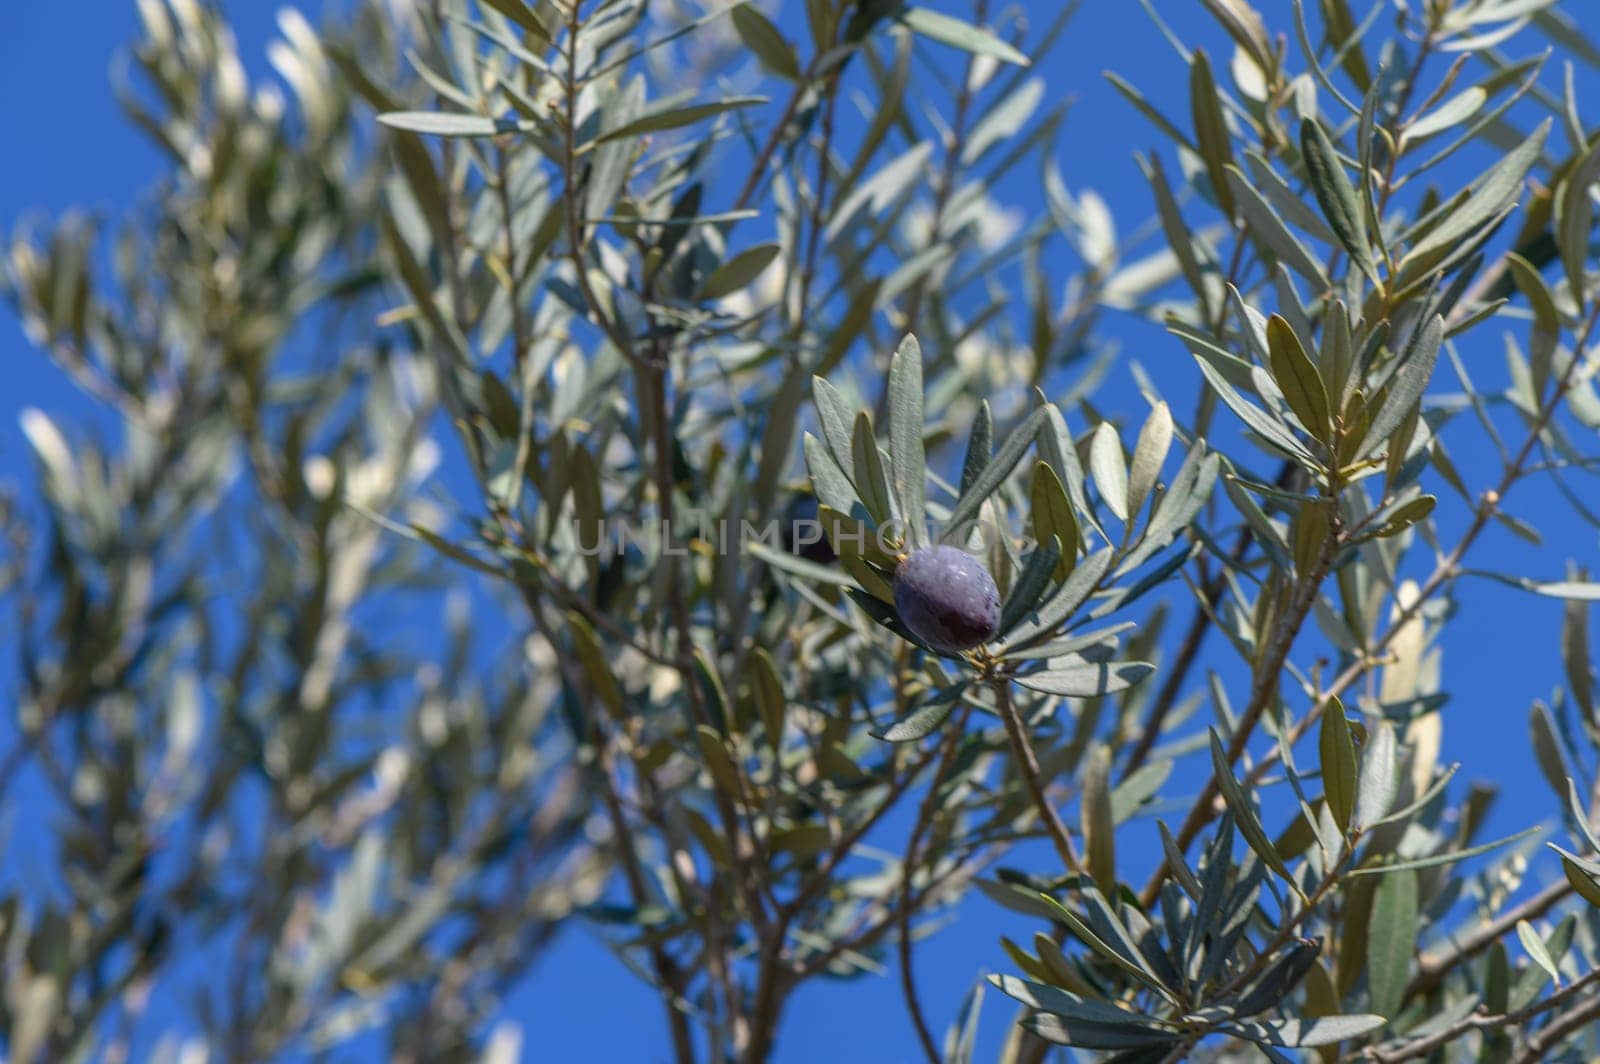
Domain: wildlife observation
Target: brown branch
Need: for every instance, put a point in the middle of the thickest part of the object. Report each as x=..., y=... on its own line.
x=1028, y=768
x=1432, y=970
x=666, y=969
x=1481, y=1021
x=930, y=802
x=1264, y=688
x=1448, y=567
x=1568, y=1023
x=1206, y=808
x=773, y=977
x=759, y=165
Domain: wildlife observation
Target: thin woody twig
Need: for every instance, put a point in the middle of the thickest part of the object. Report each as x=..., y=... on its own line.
x=1448, y=568
x=1482, y=1021
x=1434, y=967
x=908, y=975
x=1027, y=762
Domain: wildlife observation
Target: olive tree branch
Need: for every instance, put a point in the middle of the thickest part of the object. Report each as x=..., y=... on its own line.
x=666, y=969
x=1448, y=568
x=1568, y=1023
x=1200, y=623
x=1027, y=762
x=1432, y=969
x=908, y=864
x=774, y=975
x=1482, y=1021
x=1264, y=687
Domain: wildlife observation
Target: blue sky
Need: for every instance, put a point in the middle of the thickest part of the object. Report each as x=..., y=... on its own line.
x=69, y=148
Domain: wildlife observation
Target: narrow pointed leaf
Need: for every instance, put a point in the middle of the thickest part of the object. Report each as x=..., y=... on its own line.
x=1270, y=230
x=678, y=117
x=925, y=719
x=1586, y=885
x=738, y=272
x=1099, y=830
x=1338, y=754
x=958, y=34
x=994, y=474
x=1380, y=776
x=828, y=481
x=1053, y=517
x=1106, y=465
x=1308, y=1034
x=980, y=446
x=1439, y=859
x=1493, y=193
x=867, y=468
x=1210, y=128
x=834, y=416
x=1406, y=388
x=1336, y=195
x=1149, y=454
x=1536, y=950
x=1575, y=218
x=907, y=462
x=1244, y=813
x=1033, y=579
x=1088, y=680
x=1547, y=748
x=447, y=124
x=1391, y=940
x=1297, y=375
x=762, y=37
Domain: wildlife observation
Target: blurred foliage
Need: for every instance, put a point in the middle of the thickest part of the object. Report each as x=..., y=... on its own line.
x=508, y=442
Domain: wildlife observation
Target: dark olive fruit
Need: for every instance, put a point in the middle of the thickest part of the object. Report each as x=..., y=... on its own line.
x=947, y=598
x=803, y=534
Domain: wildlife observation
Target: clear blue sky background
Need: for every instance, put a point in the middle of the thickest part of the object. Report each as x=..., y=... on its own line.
x=66, y=146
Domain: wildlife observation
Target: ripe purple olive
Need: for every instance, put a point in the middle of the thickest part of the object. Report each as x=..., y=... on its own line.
x=803, y=534
x=946, y=598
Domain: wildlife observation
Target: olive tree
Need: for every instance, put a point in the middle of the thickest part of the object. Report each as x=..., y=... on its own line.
x=687, y=366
